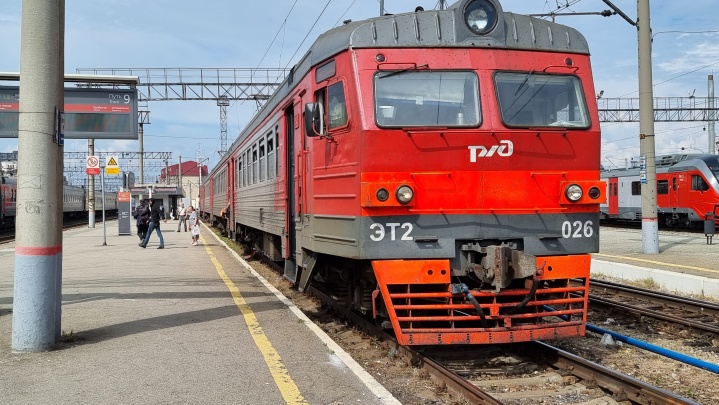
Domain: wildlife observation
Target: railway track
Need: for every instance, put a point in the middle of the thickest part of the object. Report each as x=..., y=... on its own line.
x=701, y=316
x=498, y=374
x=523, y=373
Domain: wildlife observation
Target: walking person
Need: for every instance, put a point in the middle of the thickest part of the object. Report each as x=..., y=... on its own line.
x=156, y=213
x=142, y=215
x=182, y=216
x=194, y=226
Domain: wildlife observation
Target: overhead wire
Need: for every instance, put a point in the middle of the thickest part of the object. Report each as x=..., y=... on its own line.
x=308, y=33
x=282, y=26
x=343, y=14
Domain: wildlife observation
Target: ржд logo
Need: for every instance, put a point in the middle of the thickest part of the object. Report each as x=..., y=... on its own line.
x=505, y=148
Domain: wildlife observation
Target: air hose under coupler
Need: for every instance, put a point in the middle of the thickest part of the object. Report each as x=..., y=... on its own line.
x=463, y=289
x=532, y=291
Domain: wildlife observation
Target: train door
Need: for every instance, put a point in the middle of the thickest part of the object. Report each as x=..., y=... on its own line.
x=674, y=192
x=293, y=219
x=230, y=200
x=613, y=196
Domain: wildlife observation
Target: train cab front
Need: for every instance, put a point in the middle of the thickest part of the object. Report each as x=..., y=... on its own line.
x=507, y=296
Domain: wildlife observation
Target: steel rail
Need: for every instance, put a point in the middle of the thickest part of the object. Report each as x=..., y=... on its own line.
x=635, y=390
x=674, y=301
x=656, y=314
x=454, y=382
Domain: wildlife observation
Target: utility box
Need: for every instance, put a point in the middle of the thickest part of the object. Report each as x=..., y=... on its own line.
x=709, y=227
x=124, y=213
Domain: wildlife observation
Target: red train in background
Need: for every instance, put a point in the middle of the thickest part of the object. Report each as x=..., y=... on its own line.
x=437, y=170
x=687, y=190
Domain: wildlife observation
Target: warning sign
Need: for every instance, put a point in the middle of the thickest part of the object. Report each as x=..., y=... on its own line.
x=111, y=166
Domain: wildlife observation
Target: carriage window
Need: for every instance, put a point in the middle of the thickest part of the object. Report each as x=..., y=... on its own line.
x=636, y=188
x=277, y=148
x=254, y=164
x=239, y=172
x=263, y=167
x=248, y=168
x=698, y=183
x=337, y=108
x=426, y=99
x=662, y=186
x=271, y=155
x=541, y=100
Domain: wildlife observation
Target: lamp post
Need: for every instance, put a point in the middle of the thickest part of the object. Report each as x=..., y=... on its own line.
x=102, y=186
x=199, y=185
x=167, y=178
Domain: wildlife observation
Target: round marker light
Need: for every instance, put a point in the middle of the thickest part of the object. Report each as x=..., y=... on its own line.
x=480, y=16
x=594, y=193
x=573, y=193
x=405, y=194
x=380, y=57
x=382, y=194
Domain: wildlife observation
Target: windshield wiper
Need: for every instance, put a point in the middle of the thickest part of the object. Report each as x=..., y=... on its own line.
x=524, y=82
x=396, y=72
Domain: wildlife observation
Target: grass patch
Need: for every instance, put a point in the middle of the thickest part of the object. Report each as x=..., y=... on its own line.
x=69, y=337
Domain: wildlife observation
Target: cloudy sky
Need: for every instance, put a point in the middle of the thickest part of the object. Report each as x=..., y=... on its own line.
x=251, y=34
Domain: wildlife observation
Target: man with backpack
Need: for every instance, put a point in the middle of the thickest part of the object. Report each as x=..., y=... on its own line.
x=156, y=213
x=142, y=215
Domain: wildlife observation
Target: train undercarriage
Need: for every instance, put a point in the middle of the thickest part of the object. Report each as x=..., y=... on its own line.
x=496, y=294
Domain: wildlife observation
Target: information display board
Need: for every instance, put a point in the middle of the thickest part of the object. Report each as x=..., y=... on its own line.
x=89, y=113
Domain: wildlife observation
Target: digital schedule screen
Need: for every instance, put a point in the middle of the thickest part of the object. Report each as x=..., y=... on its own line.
x=89, y=113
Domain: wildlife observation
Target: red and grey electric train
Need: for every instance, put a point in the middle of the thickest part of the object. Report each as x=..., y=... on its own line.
x=687, y=190
x=74, y=201
x=437, y=170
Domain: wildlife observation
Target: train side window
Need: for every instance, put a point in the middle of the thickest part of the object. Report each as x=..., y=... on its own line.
x=239, y=171
x=636, y=188
x=277, y=148
x=263, y=161
x=320, y=98
x=337, y=108
x=254, y=163
x=662, y=186
x=698, y=183
x=271, y=156
x=248, y=168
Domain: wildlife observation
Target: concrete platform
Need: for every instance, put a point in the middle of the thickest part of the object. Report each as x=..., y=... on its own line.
x=685, y=262
x=187, y=324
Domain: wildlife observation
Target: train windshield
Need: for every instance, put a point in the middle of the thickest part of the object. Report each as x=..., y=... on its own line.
x=529, y=99
x=426, y=99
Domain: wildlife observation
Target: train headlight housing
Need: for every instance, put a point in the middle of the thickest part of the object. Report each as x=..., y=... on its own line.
x=404, y=194
x=594, y=193
x=573, y=193
x=382, y=194
x=480, y=16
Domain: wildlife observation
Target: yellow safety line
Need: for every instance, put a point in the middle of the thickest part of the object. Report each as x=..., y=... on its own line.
x=279, y=372
x=656, y=262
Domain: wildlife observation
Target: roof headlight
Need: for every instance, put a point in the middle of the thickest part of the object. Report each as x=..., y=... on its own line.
x=480, y=16
x=573, y=193
x=405, y=194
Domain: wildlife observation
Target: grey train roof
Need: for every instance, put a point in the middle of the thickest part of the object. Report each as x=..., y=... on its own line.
x=434, y=28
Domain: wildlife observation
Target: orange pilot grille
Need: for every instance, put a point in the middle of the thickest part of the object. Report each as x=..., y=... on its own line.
x=428, y=313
